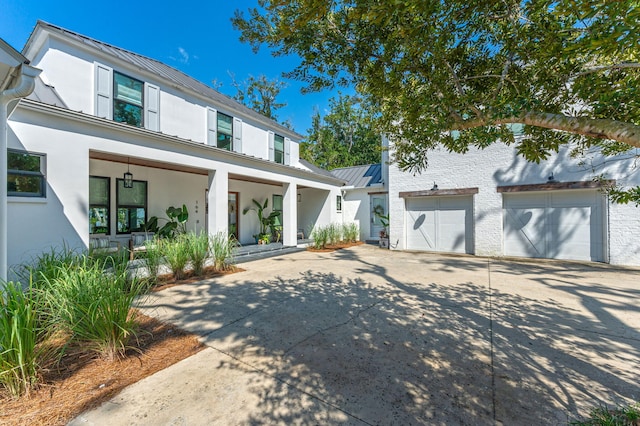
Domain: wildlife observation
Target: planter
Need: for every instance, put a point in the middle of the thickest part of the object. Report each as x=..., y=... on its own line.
x=384, y=243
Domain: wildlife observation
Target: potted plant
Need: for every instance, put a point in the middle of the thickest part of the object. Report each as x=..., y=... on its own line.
x=384, y=235
x=266, y=221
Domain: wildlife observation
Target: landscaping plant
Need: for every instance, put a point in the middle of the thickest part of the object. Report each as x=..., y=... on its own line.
x=350, y=232
x=266, y=221
x=320, y=237
x=221, y=247
x=153, y=259
x=176, y=253
x=198, y=251
x=94, y=306
x=21, y=351
x=621, y=416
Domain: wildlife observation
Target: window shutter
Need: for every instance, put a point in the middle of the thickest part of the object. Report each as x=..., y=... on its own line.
x=104, y=90
x=212, y=126
x=287, y=151
x=272, y=155
x=237, y=135
x=152, y=107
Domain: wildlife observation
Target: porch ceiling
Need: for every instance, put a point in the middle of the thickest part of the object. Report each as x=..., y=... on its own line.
x=136, y=161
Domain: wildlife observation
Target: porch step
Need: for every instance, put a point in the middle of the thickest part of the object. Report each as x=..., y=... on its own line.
x=249, y=253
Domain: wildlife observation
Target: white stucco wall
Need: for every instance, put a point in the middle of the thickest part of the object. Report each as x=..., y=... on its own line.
x=499, y=165
x=356, y=207
x=67, y=142
x=71, y=71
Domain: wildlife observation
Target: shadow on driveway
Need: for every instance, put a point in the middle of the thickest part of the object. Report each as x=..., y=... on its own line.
x=405, y=338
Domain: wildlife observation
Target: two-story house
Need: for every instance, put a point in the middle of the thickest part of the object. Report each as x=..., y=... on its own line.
x=109, y=138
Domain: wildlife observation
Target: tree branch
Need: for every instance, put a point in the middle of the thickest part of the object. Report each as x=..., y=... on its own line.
x=608, y=67
x=623, y=132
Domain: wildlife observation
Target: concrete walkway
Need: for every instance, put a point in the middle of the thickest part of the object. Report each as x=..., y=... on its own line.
x=370, y=336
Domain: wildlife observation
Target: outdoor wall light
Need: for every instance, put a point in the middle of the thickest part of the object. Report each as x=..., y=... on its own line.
x=299, y=198
x=128, y=177
x=434, y=187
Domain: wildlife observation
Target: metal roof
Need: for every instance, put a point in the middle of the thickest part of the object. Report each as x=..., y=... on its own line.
x=360, y=176
x=315, y=168
x=46, y=94
x=170, y=74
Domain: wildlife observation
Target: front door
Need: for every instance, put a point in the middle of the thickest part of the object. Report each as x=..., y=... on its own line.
x=378, y=208
x=233, y=215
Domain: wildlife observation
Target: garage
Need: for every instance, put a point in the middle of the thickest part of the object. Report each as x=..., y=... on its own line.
x=440, y=223
x=566, y=224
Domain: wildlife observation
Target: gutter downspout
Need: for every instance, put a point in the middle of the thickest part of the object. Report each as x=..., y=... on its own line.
x=24, y=87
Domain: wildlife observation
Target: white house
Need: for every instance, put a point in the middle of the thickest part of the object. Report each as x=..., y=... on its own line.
x=492, y=202
x=364, y=195
x=98, y=112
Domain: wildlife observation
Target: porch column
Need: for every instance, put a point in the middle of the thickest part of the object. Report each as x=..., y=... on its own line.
x=217, y=200
x=289, y=214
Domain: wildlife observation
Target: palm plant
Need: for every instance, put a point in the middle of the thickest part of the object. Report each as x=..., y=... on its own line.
x=266, y=221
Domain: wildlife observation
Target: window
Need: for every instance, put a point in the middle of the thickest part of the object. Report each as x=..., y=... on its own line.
x=127, y=99
x=278, y=147
x=99, y=205
x=338, y=203
x=25, y=174
x=225, y=131
x=131, y=206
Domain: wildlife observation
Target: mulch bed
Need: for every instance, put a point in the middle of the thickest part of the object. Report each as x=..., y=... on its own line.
x=80, y=381
x=334, y=247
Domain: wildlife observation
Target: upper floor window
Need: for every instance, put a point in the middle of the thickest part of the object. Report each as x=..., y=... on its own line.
x=25, y=174
x=278, y=149
x=127, y=99
x=225, y=131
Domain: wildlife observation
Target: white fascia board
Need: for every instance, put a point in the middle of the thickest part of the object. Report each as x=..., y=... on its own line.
x=224, y=155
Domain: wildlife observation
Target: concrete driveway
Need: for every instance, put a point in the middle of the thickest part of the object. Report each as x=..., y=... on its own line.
x=370, y=336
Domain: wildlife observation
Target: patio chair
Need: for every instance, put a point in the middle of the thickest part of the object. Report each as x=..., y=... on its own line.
x=138, y=242
x=102, y=243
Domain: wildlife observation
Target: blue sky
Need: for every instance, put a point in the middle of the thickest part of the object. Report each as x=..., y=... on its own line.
x=195, y=37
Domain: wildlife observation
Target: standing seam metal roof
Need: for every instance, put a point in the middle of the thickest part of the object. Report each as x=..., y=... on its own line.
x=166, y=72
x=360, y=176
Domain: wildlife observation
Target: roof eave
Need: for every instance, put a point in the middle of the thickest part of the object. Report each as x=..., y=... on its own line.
x=33, y=105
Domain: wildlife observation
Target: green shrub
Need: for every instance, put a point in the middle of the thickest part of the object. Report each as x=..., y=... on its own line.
x=350, y=232
x=334, y=235
x=116, y=261
x=153, y=259
x=47, y=265
x=221, y=250
x=198, y=251
x=320, y=237
x=603, y=416
x=21, y=351
x=176, y=252
x=95, y=307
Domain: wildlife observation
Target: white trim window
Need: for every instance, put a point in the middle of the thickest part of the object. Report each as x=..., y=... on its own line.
x=125, y=99
x=224, y=131
x=278, y=149
x=128, y=100
x=26, y=175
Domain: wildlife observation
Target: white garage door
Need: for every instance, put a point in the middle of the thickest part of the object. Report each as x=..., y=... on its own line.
x=440, y=224
x=555, y=225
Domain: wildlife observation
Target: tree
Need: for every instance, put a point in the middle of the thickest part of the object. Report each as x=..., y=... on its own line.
x=260, y=94
x=344, y=137
x=460, y=73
